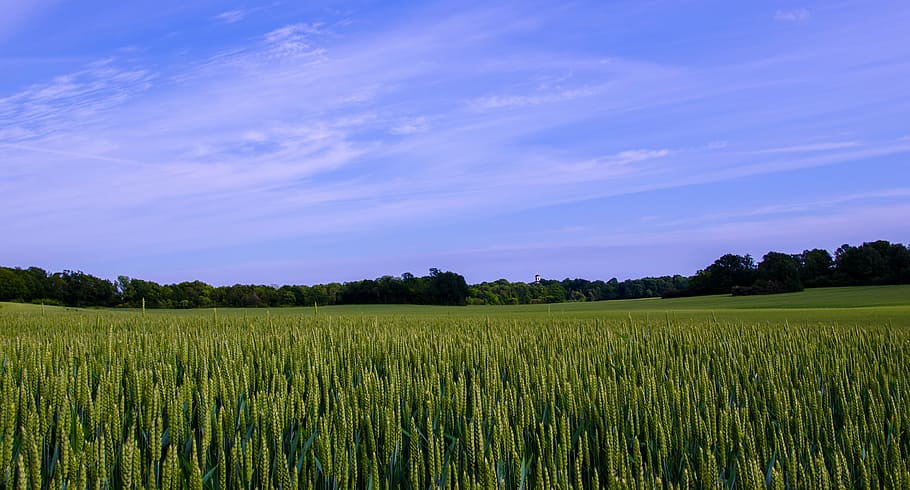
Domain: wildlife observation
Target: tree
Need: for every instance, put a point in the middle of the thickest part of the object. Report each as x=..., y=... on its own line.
x=133, y=291
x=36, y=281
x=447, y=288
x=195, y=294
x=778, y=273
x=899, y=264
x=81, y=289
x=555, y=293
x=12, y=287
x=878, y=262
x=815, y=267
x=726, y=272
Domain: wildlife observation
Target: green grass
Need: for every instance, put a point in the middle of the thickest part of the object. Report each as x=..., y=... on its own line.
x=849, y=305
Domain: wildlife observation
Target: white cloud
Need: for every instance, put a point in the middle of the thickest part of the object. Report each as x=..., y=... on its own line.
x=796, y=208
x=630, y=156
x=231, y=16
x=811, y=147
x=411, y=126
x=293, y=39
x=726, y=168
x=796, y=15
x=541, y=97
x=72, y=154
x=255, y=136
x=68, y=101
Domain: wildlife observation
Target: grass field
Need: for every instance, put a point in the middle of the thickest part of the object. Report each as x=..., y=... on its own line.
x=849, y=305
x=805, y=390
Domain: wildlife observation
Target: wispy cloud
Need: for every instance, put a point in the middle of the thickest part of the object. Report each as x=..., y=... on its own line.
x=411, y=126
x=74, y=98
x=541, y=97
x=796, y=207
x=293, y=39
x=231, y=16
x=795, y=15
x=717, y=145
x=611, y=166
x=810, y=147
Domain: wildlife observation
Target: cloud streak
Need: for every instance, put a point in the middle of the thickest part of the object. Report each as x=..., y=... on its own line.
x=795, y=15
x=231, y=16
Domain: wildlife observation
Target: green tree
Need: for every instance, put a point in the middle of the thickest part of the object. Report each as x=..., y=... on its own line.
x=12, y=286
x=81, y=289
x=866, y=264
x=726, y=272
x=447, y=288
x=815, y=267
x=778, y=273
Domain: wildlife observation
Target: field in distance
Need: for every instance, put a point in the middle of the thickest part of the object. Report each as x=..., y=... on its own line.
x=845, y=305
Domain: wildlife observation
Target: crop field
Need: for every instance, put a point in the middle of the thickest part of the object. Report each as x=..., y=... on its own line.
x=794, y=391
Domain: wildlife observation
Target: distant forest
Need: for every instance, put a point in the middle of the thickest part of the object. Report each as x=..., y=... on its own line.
x=871, y=263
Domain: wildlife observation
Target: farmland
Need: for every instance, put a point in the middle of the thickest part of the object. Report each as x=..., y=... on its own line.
x=799, y=390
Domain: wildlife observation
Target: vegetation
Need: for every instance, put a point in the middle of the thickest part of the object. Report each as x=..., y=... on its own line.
x=79, y=289
x=305, y=399
x=854, y=305
x=503, y=292
x=871, y=263
x=878, y=262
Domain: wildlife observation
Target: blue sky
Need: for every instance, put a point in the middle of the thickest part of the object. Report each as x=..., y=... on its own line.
x=307, y=142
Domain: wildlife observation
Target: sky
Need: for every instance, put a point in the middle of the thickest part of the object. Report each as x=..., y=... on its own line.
x=309, y=142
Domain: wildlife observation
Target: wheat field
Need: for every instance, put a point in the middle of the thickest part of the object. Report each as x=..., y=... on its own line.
x=95, y=400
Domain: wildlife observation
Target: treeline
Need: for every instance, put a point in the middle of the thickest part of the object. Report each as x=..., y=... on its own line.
x=70, y=288
x=503, y=292
x=871, y=263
